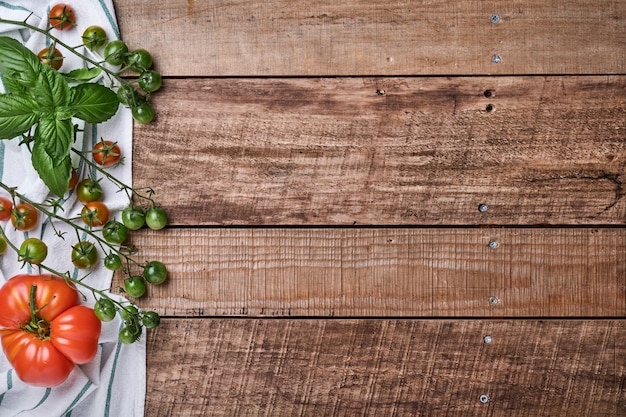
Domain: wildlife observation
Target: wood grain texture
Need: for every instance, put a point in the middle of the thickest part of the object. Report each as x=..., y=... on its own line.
x=388, y=272
x=369, y=37
x=388, y=151
x=288, y=367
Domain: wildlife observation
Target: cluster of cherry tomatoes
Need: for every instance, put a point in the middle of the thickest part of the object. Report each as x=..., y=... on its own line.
x=135, y=95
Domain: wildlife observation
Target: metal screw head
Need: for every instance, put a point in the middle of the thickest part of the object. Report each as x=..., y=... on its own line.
x=493, y=300
x=496, y=59
x=488, y=340
x=494, y=244
x=495, y=18
x=483, y=208
x=484, y=399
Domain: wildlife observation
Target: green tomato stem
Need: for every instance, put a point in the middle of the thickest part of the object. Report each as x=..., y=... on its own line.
x=121, y=185
x=33, y=304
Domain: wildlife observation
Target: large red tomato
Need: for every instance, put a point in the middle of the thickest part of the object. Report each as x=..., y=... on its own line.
x=44, y=330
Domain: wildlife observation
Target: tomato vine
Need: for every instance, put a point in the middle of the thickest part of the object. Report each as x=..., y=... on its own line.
x=39, y=107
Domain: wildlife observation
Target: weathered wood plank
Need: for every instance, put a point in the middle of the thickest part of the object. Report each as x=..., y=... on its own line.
x=388, y=272
x=370, y=37
x=390, y=151
x=289, y=367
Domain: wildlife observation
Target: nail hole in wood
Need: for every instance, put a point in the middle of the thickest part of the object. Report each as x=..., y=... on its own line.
x=490, y=107
x=489, y=93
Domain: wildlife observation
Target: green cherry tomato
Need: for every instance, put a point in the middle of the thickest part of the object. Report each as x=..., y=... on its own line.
x=139, y=60
x=115, y=52
x=33, y=251
x=84, y=255
x=114, y=232
x=133, y=217
x=143, y=113
x=150, y=319
x=112, y=262
x=156, y=218
x=3, y=245
x=104, y=309
x=94, y=38
x=128, y=95
x=150, y=81
x=155, y=272
x=89, y=190
x=135, y=286
x=130, y=334
x=129, y=313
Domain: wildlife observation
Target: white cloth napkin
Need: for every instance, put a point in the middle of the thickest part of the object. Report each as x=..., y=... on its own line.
x=113, y=384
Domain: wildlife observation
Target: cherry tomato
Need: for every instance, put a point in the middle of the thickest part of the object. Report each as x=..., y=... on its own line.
x=150, y=319
x=62, y=17
x=6, y=206
x=51, y=56
x=135, y=286
x=89, y=190
x=112, y=262
x=3, y=245
x=104, y=309
x=115, y=52
x=33, y=251
x=150, y=81
x=143, y=113
x=130, y=334
x=128, y=95
x=24, y=217
x=133, y=217
x=155, y=272
x=84, y=255
x=94, y=38
x=106, y=153
x=95, y=214
x=129, y=313
x=156, y=218
x=114, y=232
x=139, y=60
x=44, y=349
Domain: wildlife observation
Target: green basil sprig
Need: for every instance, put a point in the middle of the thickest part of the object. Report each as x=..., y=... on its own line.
x=39, y=96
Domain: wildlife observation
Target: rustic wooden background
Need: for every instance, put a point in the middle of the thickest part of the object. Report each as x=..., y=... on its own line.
x=324, y=165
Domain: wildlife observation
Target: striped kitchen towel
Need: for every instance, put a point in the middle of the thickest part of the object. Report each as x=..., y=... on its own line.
x=113, y=384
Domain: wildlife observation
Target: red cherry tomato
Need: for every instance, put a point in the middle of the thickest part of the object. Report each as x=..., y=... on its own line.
x=62, y=17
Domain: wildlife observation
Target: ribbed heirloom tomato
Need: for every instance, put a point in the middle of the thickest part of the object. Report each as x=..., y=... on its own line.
x=44, y=330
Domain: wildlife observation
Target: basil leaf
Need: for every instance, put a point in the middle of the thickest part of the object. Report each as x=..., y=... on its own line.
x=53, y=91
x=82, y=74
x=55, y=136
x=50, y=158
x=19, y=66
x=94, y=103
x=16, y=115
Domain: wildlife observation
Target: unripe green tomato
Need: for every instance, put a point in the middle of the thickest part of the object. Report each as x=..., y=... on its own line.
x=115, y=52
